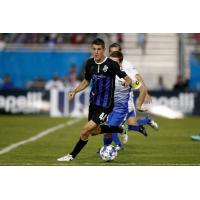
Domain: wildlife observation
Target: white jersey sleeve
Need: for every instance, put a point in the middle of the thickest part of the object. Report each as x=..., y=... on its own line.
x=128, y=65
x=130, y=71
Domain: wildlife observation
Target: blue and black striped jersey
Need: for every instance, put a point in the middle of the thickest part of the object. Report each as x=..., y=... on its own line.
x=103, y=81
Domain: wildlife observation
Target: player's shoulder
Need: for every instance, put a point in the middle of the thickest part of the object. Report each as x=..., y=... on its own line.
x=90, y=60
x=109, y=60
x=127, y=64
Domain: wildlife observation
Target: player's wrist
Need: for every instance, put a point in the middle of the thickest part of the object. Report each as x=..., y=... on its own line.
x=74, y=91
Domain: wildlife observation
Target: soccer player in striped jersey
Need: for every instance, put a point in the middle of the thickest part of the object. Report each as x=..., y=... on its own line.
x=102, y=72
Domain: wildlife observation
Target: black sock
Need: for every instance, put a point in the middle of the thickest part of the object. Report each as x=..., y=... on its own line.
x=79, y=145
x=111, y=129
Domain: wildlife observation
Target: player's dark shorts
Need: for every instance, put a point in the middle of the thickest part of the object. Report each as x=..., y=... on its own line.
x=98, y=114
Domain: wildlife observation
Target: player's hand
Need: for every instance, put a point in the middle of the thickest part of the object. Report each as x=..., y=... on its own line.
x=125, y=84
x=71, y=95
x=148, y=98
x=140, y=110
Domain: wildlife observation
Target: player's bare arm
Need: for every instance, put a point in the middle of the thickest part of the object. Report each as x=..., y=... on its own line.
x=140, y=100
x=148, y=98
x=80, y=87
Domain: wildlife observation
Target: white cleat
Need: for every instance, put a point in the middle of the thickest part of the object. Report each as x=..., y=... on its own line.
x=66, y=158
x=124, y=134
x=153, y=124
x=124, y=138
x=119, y=148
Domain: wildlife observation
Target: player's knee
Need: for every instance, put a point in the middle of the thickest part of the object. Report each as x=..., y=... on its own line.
x=132, y=121
x=85, y=133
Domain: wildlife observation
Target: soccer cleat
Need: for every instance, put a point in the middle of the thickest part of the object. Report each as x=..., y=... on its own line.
x=119, y=148
x=153, y=124
x=124, y=134
x=66, y=158
x=124, y=138
x=124, y=127
x=196, y=137
x=142, y=130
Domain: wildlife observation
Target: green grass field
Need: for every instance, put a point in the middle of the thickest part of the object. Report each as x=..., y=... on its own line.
x=171, y=145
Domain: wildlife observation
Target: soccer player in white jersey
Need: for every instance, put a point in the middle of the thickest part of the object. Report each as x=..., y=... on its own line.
x=134, y=124
x=121, y=99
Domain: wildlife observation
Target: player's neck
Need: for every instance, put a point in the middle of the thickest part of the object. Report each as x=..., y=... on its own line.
x=100, y=60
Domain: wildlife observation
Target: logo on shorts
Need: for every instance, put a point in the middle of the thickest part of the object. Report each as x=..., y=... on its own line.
x=105, y=68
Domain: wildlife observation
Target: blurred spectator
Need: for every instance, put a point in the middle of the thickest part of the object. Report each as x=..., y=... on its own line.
x=161, y=86
x=197, y=37
x=120, y=38
x=50, y=38
x=54, y=83
x=71, y=81
x=77, y=38
x=2, y=42
x=7, y=84
x=36, y=84
x=181, y=85
x=141, y=42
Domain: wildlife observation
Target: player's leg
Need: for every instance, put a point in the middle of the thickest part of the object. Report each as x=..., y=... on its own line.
x=133, y=124
x=115, y=119
x=148, y=121
x=107, y=138
x=99, y=115
x=87, y=129
x=85, y=132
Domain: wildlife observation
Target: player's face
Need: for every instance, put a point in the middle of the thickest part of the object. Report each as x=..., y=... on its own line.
x=115, y=59
x=114, y=49
x=98, y=52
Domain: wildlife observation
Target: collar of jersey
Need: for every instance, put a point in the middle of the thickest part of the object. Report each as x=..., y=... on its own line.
x=101, y=62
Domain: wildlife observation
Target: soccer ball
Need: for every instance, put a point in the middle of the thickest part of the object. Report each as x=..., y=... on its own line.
x=108, y=152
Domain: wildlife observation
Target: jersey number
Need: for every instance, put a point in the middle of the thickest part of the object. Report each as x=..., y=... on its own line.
x=102, y=116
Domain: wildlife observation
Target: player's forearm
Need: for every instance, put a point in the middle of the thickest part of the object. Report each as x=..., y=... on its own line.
x=141, y=98
x=139, y=78
x=128, y=80
x=81, y=86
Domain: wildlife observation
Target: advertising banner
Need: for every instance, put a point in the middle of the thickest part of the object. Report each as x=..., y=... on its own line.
x=56, y=104
x=24, y=102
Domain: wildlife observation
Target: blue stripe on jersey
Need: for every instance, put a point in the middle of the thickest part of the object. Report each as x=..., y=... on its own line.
x=108, y=86
x=100, y=92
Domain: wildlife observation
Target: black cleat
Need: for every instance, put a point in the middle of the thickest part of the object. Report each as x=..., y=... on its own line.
x=142, y=130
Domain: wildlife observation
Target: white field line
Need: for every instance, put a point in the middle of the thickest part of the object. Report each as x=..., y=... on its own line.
x=38, y=136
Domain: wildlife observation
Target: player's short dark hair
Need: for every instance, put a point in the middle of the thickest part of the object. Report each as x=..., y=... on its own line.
x=117, y=54
x=115, y=45
x=98, y=41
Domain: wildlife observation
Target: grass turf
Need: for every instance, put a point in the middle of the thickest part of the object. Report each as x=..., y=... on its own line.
x=171, y=145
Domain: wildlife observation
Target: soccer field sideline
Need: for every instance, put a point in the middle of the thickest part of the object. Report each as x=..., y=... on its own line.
x=39, y=135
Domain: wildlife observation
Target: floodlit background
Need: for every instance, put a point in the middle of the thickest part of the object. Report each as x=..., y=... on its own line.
x=33, y=63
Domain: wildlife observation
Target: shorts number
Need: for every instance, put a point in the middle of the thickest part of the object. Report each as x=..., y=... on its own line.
x=102, y=116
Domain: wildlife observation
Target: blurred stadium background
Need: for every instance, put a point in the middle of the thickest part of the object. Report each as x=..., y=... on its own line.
x=38, y=69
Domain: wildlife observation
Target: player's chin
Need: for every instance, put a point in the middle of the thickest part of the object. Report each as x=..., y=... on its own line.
x=97, y=58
